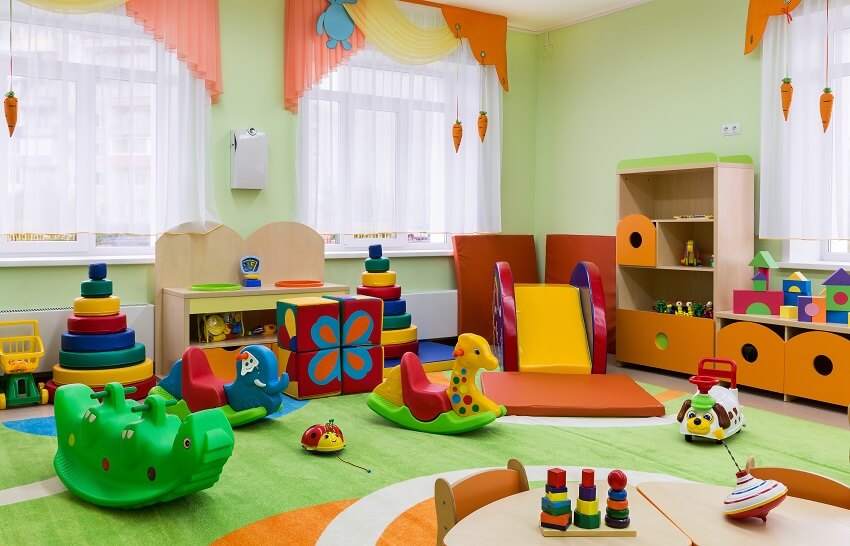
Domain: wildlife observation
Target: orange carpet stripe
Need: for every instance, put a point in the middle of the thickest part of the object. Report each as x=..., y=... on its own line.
x=669, y=394
x=301, y=527
x=415, y=527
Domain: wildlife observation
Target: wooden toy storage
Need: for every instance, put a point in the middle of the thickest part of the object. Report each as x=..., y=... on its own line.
x=662, y=203
x=808, y=360
x=287, y=251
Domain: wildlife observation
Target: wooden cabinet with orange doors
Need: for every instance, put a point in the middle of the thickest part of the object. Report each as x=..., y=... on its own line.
x=699, y=204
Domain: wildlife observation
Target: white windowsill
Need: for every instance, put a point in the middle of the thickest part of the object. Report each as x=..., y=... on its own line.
x=45, y=261
x=814, y=266
x=347, y=254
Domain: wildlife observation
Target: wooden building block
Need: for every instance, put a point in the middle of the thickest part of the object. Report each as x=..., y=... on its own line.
x=556, y=477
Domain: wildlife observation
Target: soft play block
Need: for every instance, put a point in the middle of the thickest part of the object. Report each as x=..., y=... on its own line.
x=837, y=317
x=394, y=337
x=361, y=318
x=556, y=477
x=474, y=258
x=397, y=322
x=362, y=369
x=789, y=311
x=556, y=508
x=382, y=292
x=570, y=395
x=91, y=343
x=96, y=289
x=312, y=374
x=794, y=288
x=103, y=359
x=395, y=307
x=837, y=298
x=97, y=325
x=377, y=265
x=375, y=251
x=97, y=307
x=97, y=271
x=395, y=352
x=754, y=302
x=811, y=309
x=307, y=324
x=376, y=280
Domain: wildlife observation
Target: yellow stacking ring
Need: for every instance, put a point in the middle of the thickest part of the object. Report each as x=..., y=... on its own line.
x=587, y=507
x=376, y=280
x=251, y=276
x=97, y=307
x=394, y=337
x=98, y=378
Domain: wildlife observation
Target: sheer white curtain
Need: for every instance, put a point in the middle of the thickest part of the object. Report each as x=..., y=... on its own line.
x=112, y=132
x=375, y=151
x=805, y=174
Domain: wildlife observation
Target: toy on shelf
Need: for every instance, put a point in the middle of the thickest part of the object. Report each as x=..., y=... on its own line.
x=250, y=266
x=409, y=399
x=586, y=520
x=838, y=297
x=118, y=453
x=752, y=497
x=811, y=309
x=794, y=286
x=220, y=326
x=691, y=257
x=323, y=438
x=256, y=392
x=714, y=412
x=98, y=348
x=693, y=216
x=330, y=345
x=687, y=309
x=19, y=358
x=761, y=300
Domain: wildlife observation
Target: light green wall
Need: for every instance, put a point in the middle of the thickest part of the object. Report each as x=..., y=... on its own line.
x=252, y=67
x=657, y=79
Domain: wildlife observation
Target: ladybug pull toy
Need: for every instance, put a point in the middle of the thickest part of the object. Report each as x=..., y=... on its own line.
x=326, y=438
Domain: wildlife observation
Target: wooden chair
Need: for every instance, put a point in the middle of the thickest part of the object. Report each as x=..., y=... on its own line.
x=804, y=485
x=455, y=502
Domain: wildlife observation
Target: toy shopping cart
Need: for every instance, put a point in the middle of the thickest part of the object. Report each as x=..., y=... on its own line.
x=19, y=357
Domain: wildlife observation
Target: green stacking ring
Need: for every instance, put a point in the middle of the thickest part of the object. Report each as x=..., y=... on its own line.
x=104, y=359
x=617, y=514
x=96, y=289
x=397, y=322
x=587, y=522
x=377, y=265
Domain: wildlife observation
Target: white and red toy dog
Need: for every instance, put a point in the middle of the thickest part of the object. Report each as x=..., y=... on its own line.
x=714, y=412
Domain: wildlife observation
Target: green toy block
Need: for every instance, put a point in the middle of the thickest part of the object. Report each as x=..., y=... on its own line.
x=377, y=265
x=760, y=286
x=397, y=322
x=838, y=298
x=96, y=289
x=587, y=521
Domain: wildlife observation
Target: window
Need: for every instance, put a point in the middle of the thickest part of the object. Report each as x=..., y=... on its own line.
x=86, y=170
x=376, y=162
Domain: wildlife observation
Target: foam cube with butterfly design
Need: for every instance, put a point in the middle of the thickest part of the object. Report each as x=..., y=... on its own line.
x=312, y=374
x=362, y=368
x=307, y=324
x=360, y=318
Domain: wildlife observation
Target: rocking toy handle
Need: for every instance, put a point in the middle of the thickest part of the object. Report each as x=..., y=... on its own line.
x=104, y=393
x=145, y=407
x=729, y=374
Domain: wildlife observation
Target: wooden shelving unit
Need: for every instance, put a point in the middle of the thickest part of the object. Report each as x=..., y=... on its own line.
x=718, y=195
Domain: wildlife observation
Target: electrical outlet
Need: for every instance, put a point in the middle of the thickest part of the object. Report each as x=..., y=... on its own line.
x=730, y=129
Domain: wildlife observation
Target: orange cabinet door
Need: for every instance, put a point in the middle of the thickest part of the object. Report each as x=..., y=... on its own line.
x=758, y=351
x=817, y=366
x=636, y=241
x=663, y=341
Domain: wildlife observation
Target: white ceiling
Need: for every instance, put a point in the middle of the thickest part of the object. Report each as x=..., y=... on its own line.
x=543, y=15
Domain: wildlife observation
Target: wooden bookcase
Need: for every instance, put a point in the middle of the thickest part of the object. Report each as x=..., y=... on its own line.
x=662, y=203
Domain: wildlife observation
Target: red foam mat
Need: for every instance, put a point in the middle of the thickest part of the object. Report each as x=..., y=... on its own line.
x=565, y=395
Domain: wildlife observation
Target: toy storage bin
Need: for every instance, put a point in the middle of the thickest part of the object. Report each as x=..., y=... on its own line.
x=817, y=366
x=664, y=341
x=759, y=351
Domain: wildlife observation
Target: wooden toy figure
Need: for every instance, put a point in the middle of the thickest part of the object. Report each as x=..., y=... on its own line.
x=691, y=257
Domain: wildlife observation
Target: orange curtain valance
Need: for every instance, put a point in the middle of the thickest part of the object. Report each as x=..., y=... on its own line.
x=188, y=27
x=307, y=58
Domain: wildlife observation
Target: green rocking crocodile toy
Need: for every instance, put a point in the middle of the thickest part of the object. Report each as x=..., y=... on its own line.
x=122, y=454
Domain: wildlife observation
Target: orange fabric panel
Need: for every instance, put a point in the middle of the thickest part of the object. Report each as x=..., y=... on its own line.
x=475, y=257
x=483, y=488
x=563, y=252
x=188, y=27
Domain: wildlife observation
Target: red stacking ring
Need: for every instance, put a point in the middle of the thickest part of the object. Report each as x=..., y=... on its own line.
x=97, y=325
x=383, y=292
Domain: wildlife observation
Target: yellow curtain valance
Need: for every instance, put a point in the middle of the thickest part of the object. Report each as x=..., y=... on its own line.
x=75, y=6
x=386, y=26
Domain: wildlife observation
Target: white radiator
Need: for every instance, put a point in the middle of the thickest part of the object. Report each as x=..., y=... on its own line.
x=434, y=313
x=52, y=322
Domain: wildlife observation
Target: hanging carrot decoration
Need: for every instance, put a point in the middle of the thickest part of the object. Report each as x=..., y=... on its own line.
x=10, y=108
x=482, y=114
x=457, y=134
x=787, y=91
x=482, y=124
x=826, y=99
x=10, y=103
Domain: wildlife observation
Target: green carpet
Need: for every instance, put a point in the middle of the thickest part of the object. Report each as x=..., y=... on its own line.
x=269, y=473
